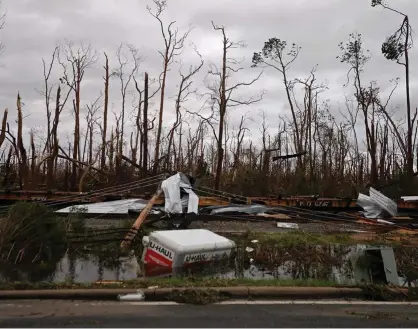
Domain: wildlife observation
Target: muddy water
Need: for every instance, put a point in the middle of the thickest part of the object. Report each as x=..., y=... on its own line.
x=326, y=263
x=90, y=270
x=330, y=263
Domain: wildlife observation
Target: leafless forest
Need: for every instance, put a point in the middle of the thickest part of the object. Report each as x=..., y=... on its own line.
x=315, y=150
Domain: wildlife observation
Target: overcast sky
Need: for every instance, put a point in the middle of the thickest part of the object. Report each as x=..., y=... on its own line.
x=34, y=27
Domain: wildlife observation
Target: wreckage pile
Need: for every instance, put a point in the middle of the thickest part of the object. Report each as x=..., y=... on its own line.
x=185, y=204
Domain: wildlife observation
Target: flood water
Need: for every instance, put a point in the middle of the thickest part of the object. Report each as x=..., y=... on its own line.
x=334, y=263
x=331, y=264
x=83, y=270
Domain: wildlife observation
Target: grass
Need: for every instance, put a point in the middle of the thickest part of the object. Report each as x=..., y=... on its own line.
x=385, y=293
x=293, y=238
x=197, y=297
x=191, y=294
x=297, y=238
x=288, y=239
x=187, y=282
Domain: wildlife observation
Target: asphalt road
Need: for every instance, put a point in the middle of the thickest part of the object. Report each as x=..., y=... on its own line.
x=123, y=314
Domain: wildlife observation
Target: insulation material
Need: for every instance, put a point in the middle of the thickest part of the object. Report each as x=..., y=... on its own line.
x=174, y=203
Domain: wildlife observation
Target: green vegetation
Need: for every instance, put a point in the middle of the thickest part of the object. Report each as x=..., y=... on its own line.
x=293, y=238
x=33, y=240
x=202, y=292
x=31, y=236
x=298, y=238
x=31, y=224
x=197, y=297
x=178, y=282
x=385, y=293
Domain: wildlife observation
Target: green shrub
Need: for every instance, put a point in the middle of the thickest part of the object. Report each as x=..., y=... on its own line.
x=31, y=232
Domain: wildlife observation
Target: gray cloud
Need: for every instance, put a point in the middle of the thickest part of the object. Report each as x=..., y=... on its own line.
x=35, y=27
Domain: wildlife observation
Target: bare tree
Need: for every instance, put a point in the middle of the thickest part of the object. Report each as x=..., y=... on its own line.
x=125, y=58
x=47, y=94
x=173, y=46
x=74, y=63
x=2, y=22
x=183, y=93
x=223, y=94
x=91, y=120
x=50, y=150
x=146, y=127
x=105, y=111
x=3, y=127
x=142, y=123
x=276, y=54
x=20, y=145
x=236, y=152
x=54, y=148
x=354, y=54
x=351, y=116
x=396, y=47
x=311, y=91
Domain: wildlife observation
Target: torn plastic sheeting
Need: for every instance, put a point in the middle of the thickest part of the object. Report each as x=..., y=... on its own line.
x=193, y=203
x=252, y=209
x=172, y=191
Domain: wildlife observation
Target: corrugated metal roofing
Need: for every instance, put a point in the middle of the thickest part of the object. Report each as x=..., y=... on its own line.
x=376, y=204
x=383, y=201
x=409, y=198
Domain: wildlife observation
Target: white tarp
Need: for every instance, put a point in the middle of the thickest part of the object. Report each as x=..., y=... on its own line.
x=173, y=202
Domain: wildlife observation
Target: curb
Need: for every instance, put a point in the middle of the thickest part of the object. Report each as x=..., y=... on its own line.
x=165, y=294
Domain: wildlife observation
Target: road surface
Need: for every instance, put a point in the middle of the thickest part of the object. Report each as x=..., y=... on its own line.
x=130, y=314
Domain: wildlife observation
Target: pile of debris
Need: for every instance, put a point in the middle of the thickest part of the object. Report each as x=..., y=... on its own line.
x=181, y=208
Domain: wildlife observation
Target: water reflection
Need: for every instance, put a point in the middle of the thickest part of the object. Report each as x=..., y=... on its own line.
x=328, y=263
x=91, y=268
